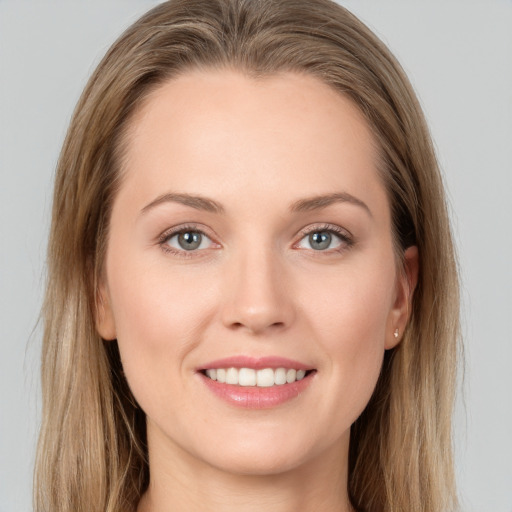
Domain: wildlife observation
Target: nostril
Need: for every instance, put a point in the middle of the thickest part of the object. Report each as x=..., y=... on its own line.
x=257, y=327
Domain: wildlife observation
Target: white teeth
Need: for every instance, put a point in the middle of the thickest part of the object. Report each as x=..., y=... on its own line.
x=247, y=377
x=263, y=378
x=280, y=376
x=231, y=376
x=291, y=375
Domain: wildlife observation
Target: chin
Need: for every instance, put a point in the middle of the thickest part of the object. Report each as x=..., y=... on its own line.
x=260, y=463
x=275, y=453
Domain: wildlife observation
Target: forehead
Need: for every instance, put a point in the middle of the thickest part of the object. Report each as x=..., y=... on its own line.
x=225, y=132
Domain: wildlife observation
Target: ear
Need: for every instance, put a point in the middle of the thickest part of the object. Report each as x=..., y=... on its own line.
x=105, y=324
x=405, y=285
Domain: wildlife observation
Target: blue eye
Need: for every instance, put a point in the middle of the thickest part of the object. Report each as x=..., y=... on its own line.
x=321, y=240
x=188, y=240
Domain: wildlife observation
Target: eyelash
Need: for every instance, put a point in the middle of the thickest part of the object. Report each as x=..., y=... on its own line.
x=167, y=235
x=342, y=234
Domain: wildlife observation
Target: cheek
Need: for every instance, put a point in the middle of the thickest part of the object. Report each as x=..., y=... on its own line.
x=351, y=322
x=158, y=317
x=353, y=304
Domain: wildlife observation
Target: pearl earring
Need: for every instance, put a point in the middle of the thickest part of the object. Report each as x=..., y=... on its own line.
x=395, y=334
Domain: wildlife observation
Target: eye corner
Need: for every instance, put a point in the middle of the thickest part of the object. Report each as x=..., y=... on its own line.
x=200, y=241
x=331, y=233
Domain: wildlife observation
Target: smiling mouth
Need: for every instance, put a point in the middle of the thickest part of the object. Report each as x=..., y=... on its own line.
x=261, y=378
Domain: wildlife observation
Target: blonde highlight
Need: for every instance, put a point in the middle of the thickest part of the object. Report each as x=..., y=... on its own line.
x=92, y=451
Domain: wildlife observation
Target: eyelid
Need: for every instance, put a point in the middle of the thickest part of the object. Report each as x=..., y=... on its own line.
x=183, y=228
x=340, y=232
x=324, y=226
x=164, y=237
x=345, y=236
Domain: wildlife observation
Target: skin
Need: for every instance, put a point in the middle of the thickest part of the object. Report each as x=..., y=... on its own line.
x=255, y=287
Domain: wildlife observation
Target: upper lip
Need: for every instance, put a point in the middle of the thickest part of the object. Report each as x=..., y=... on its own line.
x=257, y=363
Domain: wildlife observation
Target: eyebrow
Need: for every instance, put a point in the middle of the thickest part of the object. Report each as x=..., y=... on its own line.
x=302, y=205
x=197, y=202
x=323, y=201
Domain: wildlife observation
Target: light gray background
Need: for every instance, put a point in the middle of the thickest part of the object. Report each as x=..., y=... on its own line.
x=459, y=57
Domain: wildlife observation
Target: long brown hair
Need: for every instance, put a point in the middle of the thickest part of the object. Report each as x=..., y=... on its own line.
x=92, y=453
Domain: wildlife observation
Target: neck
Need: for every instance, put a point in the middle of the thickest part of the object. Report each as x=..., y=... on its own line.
x=179, y=481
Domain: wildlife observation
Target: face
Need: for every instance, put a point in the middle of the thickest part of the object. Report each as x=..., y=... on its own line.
x=250, y=277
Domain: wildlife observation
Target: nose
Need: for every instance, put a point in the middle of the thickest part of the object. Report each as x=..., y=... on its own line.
x=258, y=295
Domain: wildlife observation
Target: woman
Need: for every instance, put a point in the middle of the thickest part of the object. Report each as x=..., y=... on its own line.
x=252, y=298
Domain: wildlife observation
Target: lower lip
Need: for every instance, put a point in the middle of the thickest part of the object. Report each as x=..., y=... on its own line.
x=255, y=397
